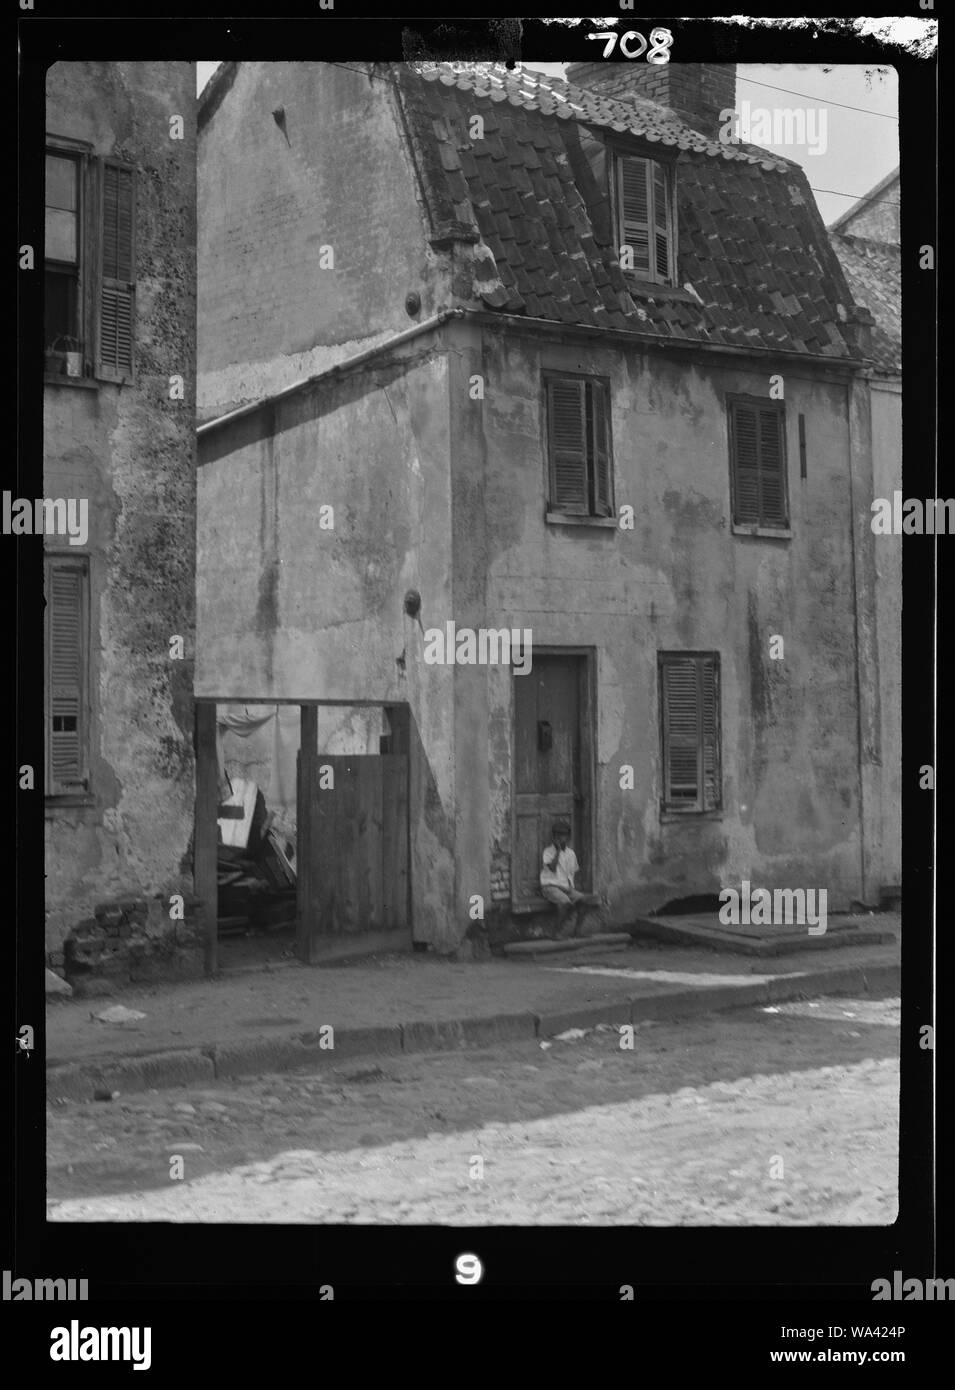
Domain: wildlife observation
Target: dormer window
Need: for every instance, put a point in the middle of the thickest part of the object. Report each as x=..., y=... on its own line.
x=645, y=221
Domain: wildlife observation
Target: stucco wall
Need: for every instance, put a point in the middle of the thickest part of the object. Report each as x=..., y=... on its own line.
x=269, y=313
x=449, y=498
x=287, y=609
x=681, y=580
x=131, y=452
x=886, y=401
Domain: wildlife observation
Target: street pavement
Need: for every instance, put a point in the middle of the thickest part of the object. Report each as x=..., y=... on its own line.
x=278, y=1019
x=776, y=1116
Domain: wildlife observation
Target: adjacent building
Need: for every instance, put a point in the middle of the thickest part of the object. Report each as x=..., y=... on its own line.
x=867, y=240
x=119, y=439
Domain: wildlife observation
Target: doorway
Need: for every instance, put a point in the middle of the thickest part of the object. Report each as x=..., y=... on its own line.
x=553, y=766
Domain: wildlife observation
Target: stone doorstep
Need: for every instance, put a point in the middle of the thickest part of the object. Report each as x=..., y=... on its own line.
x=691, y=931
x=79, y=1080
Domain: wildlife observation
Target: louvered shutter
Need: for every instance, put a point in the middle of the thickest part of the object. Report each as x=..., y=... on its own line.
x=661, y=223
x=567, y=437
x=681, y=734
x=759, y=466
x=772, y=479
x=710, y=717
x=745, y=465
x=603, y=492
x=118, y=275
x=691, y=733
x=65, y=678
x=634, y=199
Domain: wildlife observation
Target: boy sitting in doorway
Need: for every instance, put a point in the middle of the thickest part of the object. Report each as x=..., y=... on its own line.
x=557, y=881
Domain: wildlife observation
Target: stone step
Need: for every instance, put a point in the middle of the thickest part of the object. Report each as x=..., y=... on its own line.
x=705, y=930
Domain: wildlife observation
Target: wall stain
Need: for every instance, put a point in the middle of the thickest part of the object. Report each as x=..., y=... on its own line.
x=267, y=605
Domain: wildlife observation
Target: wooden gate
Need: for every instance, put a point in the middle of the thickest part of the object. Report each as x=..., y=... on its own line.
x=353, y=849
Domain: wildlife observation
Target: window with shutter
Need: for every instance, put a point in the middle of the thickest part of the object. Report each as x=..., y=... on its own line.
x=690, y=705
x=579, y=446
x=644, y=216
x=758, y=463
x=65, y=249
x=67, y=587
x=90, y=265
x=117, y=287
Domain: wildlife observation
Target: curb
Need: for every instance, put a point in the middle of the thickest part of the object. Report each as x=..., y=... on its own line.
x=81, y=1080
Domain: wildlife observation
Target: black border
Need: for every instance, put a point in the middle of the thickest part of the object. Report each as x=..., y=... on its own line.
x=194, y=1264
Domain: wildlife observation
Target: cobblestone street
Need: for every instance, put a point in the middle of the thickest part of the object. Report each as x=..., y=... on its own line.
x=783, y=1116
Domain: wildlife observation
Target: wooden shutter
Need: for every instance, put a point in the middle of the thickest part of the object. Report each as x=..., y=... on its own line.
x=691, y=733
x=66, y=675
x=745, y=464
x=772, y=477
x=759, y=465
x=567, y=443
x=644, y=215
x=710, y=731
x=681, y=734
x=634, y=195
x=661, y=222
x=603, y=489
x=118, y=273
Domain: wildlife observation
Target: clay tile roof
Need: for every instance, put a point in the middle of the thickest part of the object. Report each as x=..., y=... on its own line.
x=874, y=272
x=750, y=238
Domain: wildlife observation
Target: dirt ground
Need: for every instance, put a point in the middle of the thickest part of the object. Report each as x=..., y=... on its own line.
x=782, y=1116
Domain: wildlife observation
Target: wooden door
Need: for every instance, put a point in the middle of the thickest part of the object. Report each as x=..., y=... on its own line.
x=552, y=768
x=353, y=838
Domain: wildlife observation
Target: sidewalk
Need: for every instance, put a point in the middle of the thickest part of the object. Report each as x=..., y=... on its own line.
x=269, y=1019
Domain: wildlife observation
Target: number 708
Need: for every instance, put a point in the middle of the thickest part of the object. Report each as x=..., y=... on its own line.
x=661, y=41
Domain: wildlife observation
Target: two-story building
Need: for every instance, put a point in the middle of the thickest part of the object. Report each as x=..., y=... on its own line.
x=549, y=362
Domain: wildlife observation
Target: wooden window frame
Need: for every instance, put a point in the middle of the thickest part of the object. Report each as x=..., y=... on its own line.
x=80, y=793
x=772, y=529
x=592, y=516
x=90, y=269
x=80, y=153
x=670, y=808
x=638, y=275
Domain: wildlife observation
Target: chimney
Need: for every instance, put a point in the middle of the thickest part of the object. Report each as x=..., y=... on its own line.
x=697, y=92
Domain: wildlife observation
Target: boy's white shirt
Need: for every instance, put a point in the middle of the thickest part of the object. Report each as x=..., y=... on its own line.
x=561, y=875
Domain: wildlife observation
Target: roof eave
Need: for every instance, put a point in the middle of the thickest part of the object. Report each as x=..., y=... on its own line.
x=655, y=340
